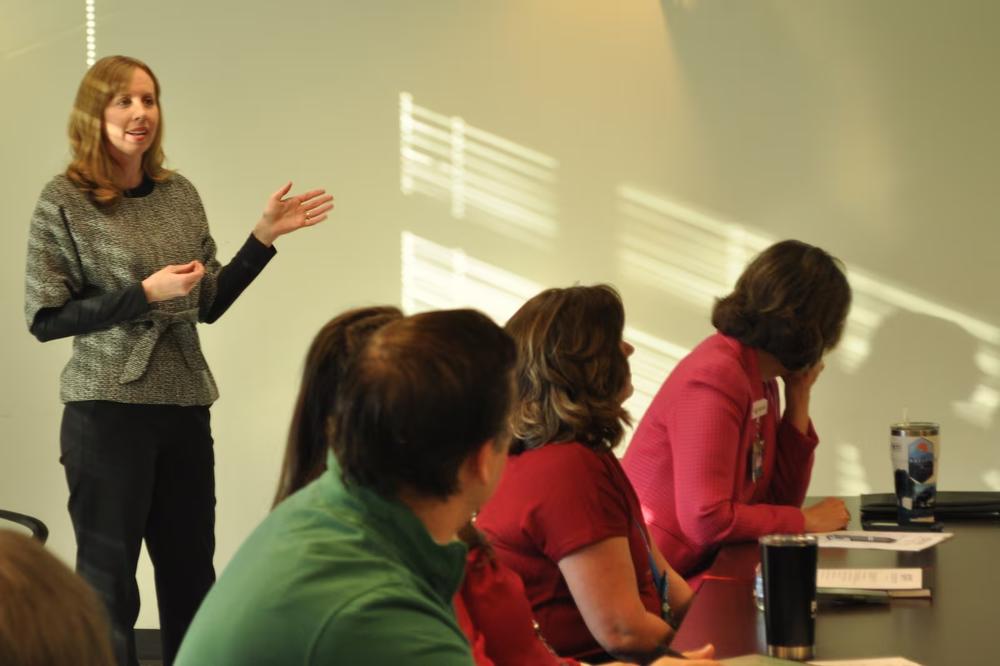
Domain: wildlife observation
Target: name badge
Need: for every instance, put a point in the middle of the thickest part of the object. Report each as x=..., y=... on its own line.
x=759, y=408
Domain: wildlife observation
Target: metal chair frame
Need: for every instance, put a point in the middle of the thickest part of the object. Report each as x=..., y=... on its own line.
x=37, y=527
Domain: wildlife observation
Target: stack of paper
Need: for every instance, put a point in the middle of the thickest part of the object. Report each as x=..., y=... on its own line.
x=891, y=583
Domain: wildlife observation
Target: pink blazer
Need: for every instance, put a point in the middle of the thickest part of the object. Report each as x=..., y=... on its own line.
x=691, y=458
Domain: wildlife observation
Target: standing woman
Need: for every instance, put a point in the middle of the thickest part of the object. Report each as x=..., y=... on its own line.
x=120, y=258
x=715, y=458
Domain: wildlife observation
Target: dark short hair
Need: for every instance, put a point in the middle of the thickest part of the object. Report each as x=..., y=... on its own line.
x=424, y=393
x=571, y=370
x=326, y=362
x=791, y=301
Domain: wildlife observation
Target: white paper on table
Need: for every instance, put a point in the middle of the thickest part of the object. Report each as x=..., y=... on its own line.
x=871, y=579
x=904, y=541
x=884, y=661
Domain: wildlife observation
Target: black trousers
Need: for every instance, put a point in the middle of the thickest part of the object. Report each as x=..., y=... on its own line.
x=142, y=472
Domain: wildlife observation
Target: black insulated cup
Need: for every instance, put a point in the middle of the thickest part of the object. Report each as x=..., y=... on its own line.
x=788, y=564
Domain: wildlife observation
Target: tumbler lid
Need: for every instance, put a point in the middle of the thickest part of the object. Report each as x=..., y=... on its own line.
x=915, y=428
x=801, y=540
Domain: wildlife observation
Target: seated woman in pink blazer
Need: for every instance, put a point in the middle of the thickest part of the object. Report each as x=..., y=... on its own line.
x=715, y=459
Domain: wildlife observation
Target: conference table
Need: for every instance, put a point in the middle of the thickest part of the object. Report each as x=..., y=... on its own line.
x=959, y=625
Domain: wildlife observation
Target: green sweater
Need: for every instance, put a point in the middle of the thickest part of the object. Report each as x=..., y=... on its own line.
x=335, y=575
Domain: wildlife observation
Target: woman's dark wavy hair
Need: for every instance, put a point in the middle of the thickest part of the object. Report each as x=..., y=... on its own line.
x=791, y=301
x=571, y=370
x=326, y=362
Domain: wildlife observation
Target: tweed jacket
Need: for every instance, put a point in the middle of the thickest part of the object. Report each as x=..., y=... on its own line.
x=82, y=254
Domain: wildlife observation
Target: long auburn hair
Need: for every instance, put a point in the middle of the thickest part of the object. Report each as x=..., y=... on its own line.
x=92, y=166
x=571, y=370
x=326, y=361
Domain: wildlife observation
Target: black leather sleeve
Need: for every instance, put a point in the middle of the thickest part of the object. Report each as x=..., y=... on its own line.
x=237, y=275
x=100, y=311
x=89, y=313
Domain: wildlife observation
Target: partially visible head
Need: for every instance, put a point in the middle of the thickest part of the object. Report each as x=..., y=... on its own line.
x=791, y=301
x=326, y=363
x=101, y=125
x=572, y=369
x=48, y=614
x=426, y=394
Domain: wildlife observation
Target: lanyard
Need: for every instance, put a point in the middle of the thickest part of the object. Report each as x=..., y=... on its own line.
x=659, y=577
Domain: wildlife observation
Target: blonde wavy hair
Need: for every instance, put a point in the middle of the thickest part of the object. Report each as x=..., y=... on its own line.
x=571, y=369
x=92, y=167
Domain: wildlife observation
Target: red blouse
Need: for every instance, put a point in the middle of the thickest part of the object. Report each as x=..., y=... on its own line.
x=495, y=615
x=551, y=502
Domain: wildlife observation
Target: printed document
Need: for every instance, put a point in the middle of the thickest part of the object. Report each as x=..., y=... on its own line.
x=871, y=579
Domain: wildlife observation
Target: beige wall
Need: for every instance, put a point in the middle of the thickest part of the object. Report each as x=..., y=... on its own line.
x=481, y=150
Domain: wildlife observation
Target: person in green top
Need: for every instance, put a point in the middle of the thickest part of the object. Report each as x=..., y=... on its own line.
x=360, y=566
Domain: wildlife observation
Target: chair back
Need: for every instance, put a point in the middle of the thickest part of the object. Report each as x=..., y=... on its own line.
x=37, y=527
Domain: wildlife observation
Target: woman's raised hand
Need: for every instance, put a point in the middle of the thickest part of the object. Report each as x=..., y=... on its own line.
x=284, y=215
x=801, y=382
x=798, y=387
x=173, y=281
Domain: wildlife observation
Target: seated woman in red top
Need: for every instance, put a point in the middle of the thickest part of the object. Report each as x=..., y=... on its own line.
x=564, y=516
x=496, y=617
x=715, y=460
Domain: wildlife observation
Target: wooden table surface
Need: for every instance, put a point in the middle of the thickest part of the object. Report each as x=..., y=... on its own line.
x=960, y=625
